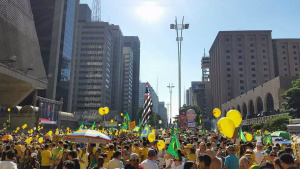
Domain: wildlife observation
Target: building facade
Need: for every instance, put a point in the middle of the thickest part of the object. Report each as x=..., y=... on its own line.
x=239, y=61
x=55, y=22
x=21, y=65
x=93, y=74
x=162, y=111
x=134, y=43
x=153, y=95
x=287, y=57
x=127, y=81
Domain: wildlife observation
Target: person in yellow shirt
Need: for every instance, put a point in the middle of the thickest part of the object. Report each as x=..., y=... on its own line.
x=144, y=152
x=190, y=152
x=19, y=148
x=110, y=152
x=46, y=157
x=136, y=149
x=65, y=149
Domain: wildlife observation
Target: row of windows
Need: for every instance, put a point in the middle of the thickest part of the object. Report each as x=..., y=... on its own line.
x=91, y=49
x=242, y=75
x=241, y=57
x=285, y=69
x=91, y=60
x=242, y=69
x=84, y=44
x=87, y=78
x=294, y=47
x=251, y=51
x=89, y=95
x=89, y=55
x=240, y=39
x=88, y=90
x=294, y=52
x=92, y=38
x=90, y=72
x=85, y=84
x=295, y=58
x=87, y=102
x=92, y=27
x=90, y=66
x=97, y=32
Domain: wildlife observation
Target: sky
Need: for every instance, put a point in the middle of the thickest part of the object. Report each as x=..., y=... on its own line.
x=150, y=20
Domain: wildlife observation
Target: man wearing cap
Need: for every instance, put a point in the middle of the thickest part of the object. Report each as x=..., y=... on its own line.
x=133, y=162
x=149, y=163
x=178, y=164
x=258, y=152
x=231, y=161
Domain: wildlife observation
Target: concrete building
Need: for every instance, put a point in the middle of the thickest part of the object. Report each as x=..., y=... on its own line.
x=85, y=13
x=21, y=66
x=152, y=94
x=264, y=100
x=239, y=62
x=93, y=70
x=187, y=97
x=127, y=81
x=162, y=111
x=286, y=57
x=134, y=43
x=117, y=69
x=55, y=22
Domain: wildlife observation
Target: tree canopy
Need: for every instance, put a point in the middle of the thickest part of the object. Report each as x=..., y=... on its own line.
x=292, y=100
x=277, y=124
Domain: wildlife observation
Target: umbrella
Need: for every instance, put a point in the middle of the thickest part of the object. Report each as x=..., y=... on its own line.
x=88, y=136
x=7, y=137
x=283, y=134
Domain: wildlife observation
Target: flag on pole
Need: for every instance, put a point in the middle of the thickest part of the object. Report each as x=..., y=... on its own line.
x=146, y=131
x=174, y=145
x=140, y=127
x=241, y=135
x=147, y=106
x=81, y=126
x=268, y=139
x=93, y=126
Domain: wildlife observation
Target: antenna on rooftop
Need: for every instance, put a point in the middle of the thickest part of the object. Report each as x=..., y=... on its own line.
x=96, y=9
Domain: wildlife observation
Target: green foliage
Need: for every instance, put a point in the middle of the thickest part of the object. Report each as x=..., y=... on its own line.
x=154, y=119
x=292, y=100
x=256, y=127
x=277, y=124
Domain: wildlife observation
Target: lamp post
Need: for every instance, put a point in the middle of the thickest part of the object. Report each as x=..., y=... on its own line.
x=170, y=90
x=179, y=39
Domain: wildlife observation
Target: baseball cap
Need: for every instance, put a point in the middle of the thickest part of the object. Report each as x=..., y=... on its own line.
x=134, y=156
x=189, y=146
x=254, y=167
x=267, y=164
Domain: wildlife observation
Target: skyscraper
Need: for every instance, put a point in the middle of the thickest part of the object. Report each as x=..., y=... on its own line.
x=134, y=43
x=162, y=111
x=127, y=80
x=55, y=22
x=153, y=95
x=239, y=61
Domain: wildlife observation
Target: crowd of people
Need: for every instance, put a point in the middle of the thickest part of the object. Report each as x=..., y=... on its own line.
x=197, y=151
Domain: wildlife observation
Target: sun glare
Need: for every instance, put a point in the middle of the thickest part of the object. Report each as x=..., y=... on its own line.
x=149, y=11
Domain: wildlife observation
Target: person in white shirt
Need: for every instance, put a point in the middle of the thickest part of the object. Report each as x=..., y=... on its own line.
x=178, y=164
x=149, y=163
x=258, y=153
x=115, y=162
x=8, y=164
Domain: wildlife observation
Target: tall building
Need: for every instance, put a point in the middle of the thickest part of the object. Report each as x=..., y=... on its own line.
x=134, y=43
x=21, y=66
x=93, y=70
x=127, y=80
x=239, y=61
x=55, y=22
x=286, y=57
x=153, y=95
x=162, y=111
x=187, y=97
x=117, y=68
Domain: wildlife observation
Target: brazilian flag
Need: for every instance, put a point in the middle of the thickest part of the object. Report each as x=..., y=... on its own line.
x=146, y=131
x=126, y=121
x=174, y=145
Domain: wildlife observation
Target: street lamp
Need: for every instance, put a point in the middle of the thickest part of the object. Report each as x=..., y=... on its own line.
x=160, y=122
x=179, y=39
x=170, y=90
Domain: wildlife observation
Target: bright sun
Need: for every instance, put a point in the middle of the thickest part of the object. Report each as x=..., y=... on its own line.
x=149, y=11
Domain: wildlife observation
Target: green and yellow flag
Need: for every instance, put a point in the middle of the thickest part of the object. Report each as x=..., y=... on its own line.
x=174, y=145
x=241, y=135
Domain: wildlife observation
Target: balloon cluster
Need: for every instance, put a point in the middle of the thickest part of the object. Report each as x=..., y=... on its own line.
x=226, y=125
x=103, y=110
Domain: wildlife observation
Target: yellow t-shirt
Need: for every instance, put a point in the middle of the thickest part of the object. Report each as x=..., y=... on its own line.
x=144, y=152
x=19, y=148
x=137, y=151
x=110, y=154
x=46, y=158
x=192, y=157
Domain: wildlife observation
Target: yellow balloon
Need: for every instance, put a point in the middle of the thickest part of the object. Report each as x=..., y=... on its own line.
x=226, y=127
x=249, y=137
x=41, y=139
x=149, y=125
x=111, y=121
x=24, y=126
x=151, y=137
x=160, y=144
x=106, y=110
x=101, y=111
x=235, y=116
x=50, y=133
x=121, y=114
x=18, y=128
x=217, y=112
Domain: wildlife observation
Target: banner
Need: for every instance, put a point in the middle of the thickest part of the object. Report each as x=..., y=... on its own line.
x=131, y=125
x=48, y=111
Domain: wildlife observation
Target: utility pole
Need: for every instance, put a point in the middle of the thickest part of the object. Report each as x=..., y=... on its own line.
x=179, y=28
x=170, y=90
x=168, y=110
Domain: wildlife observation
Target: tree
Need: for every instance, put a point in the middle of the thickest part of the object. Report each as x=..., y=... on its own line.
x=256, y=127
x=292, y=100
x=277, y=124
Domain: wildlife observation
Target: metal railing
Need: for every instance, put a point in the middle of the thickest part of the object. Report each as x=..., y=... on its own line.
x=261, y=119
